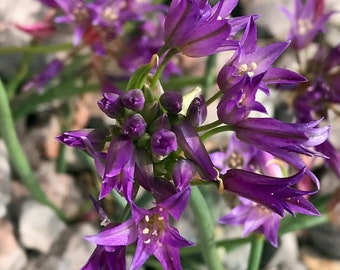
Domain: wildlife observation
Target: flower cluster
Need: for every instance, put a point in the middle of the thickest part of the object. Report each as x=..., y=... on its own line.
x=155, y=144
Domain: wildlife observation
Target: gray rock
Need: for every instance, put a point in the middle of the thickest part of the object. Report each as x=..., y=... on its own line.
x=12, y=256
x=39, y=226
x=60, y=188
x=78, y=250
x=5, y=173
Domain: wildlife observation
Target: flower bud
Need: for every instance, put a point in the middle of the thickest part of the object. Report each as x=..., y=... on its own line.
x=134, y=126
x=163, y=142
x=111, y=105
x=133, y=99
x=197, y=111
x=172, y=101
x=183, y=172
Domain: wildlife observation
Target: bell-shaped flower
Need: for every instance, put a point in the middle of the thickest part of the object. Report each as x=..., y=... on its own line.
x=250, y=60
x=237, y=103
x=196, y=29
x=285, y=141
x=194, y=149
x=254, y=217
x=274, y=193
x=152, y=231
x=78, y=14
x=119, y=168
x=238, y=155
x=89, y=140
x=307, y=20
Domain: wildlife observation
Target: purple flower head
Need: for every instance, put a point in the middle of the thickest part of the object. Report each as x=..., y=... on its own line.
x=40, y=80
x=111, y=105
x=250, y=60
x=306, y=22
x=283, y=140
x=172, y=101
x=254, y=217
x=133, y=99
x=197, y=111
x=163, y=142
x=119, y=168
x=237, y=103
x=152, y=231
x=196, y=29
x=237, y=156
x=78, y=14
x=134, y=126
x=194, y=149
x=274, y=193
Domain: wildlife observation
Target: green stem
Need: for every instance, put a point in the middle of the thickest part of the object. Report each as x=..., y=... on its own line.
x=205, y=228
x=17, y=156
x=257, y=243
x=209, y=126
x=19, y=76
x=209, y=74
x=160, y=69
x=37, y=49
x=214, y=97
x=215, y=131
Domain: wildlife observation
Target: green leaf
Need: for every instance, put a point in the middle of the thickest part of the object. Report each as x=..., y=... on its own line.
x=138, y=78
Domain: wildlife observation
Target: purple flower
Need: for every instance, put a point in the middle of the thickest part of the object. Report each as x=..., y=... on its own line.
x=237, y=102
x=250, y=60
x=152, y=231
x=134, y=126
x=88, y=140
x=163, y=142
x=40, y=80
x=254, y=217
x=271, y=192
x=182, y=173
x=172, y=101
x=306, y=22
x=101, y=258
x=111, y=105
x=78, y=14
x=194, y=149
x=283, y=140
x=119, y=168
x=333, y=161
x=133, y=99
x=197, y=111
x=195, y=28
x=237, y=156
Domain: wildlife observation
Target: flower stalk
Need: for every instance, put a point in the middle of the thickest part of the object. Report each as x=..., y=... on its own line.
x=205, y=227
x=17, y=156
